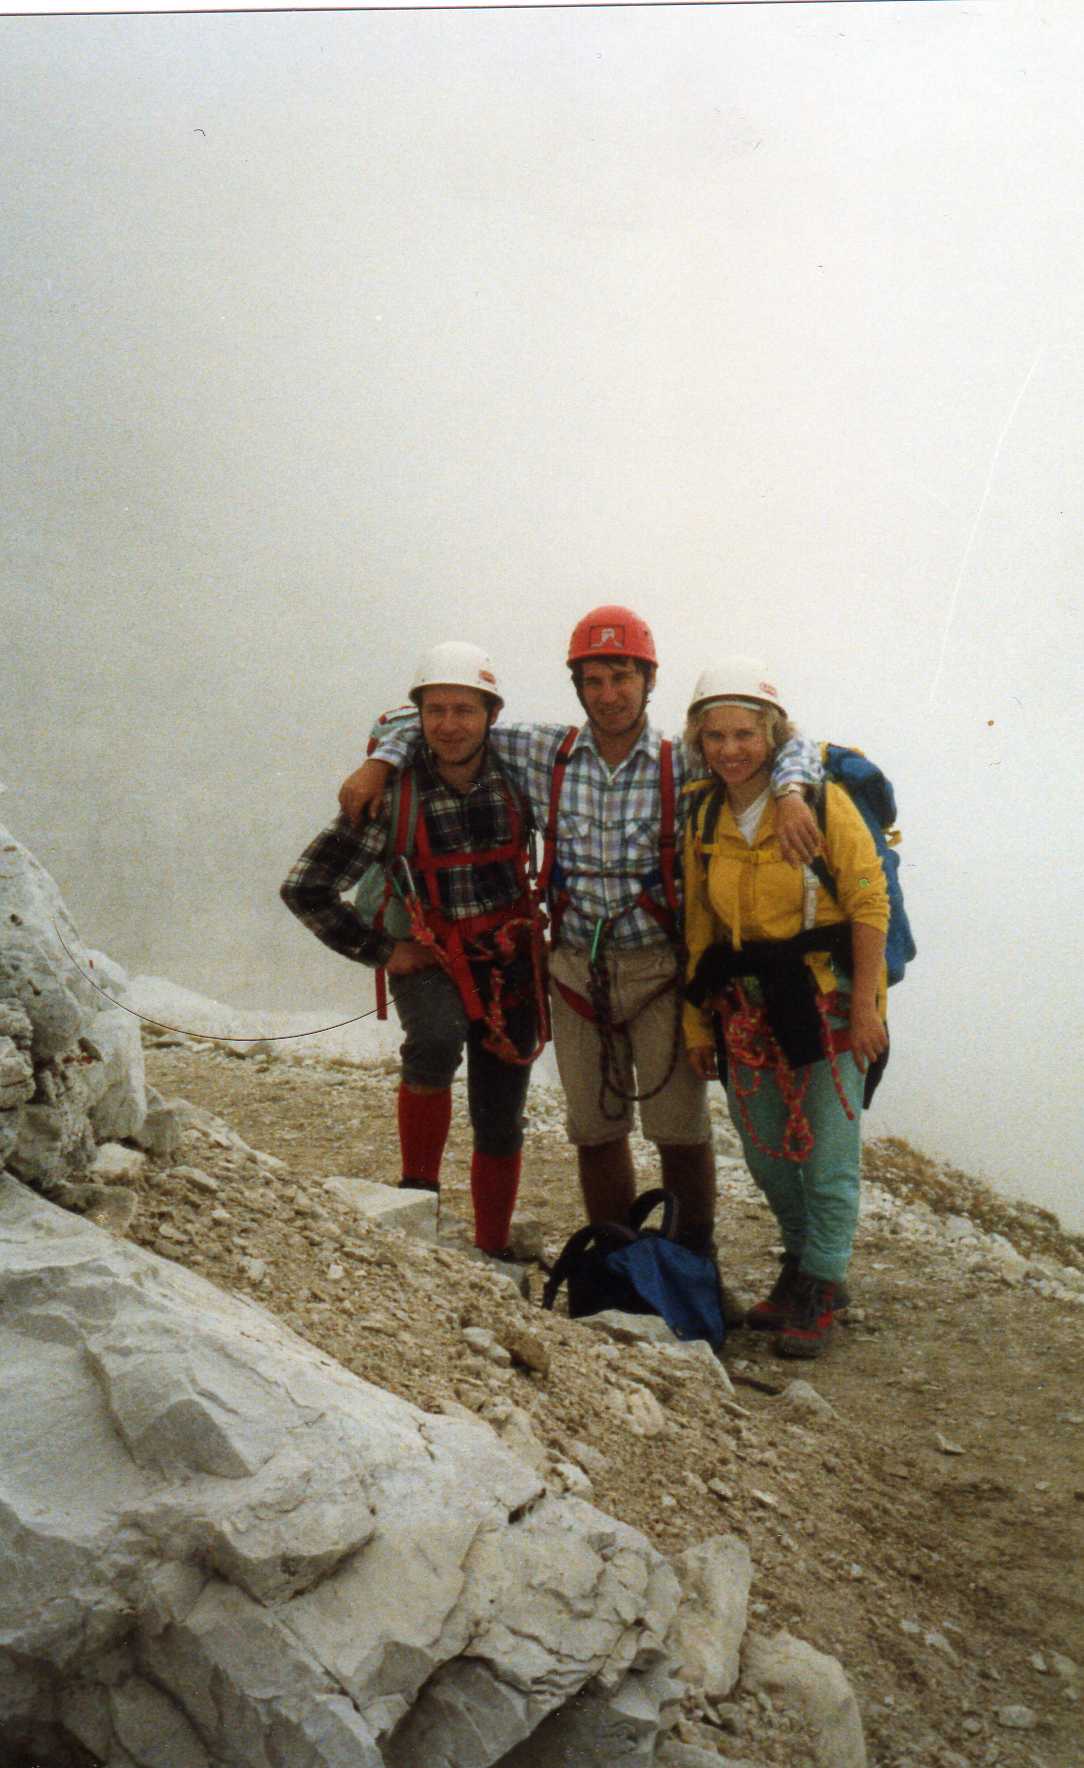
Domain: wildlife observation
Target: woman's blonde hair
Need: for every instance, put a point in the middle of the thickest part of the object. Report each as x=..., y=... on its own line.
x=777, y=727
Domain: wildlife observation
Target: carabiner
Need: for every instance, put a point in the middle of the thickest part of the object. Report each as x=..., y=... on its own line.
x=402, y=864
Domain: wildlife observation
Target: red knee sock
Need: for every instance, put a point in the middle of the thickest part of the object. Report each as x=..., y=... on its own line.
x=494, y=1181
x=424, y=1119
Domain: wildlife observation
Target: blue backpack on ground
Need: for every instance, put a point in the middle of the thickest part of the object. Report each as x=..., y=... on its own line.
x=640, y=1270
x=874, y=798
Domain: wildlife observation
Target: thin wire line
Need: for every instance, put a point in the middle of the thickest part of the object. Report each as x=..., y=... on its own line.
x=282, y=1037
x=957, y=586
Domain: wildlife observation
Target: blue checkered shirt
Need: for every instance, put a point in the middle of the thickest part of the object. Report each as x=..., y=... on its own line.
x=609, y=819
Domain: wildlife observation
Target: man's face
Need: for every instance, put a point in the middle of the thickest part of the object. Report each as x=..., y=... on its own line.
x=454, y=722
x=614, y=694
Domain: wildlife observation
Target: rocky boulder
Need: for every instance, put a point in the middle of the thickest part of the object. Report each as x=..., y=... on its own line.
x=71, y=1063
x=221, y=1548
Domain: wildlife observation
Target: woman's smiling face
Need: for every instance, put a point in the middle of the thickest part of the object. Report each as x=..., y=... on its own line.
x=735, y=745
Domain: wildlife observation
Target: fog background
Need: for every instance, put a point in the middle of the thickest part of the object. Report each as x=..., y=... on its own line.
x=329, y=335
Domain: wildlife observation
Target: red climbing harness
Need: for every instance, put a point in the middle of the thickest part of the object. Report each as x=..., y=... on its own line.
x=551, y=885
x=751, y=1044
x=494, y=938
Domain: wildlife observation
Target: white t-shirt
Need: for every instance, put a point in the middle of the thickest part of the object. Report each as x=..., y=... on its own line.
x=748, y=821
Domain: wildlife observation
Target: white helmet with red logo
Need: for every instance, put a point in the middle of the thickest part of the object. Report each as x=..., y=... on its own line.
x=456, y=664
x=744, y=679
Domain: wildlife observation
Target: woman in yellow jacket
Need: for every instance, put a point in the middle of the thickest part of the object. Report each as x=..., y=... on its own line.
x=791, y=977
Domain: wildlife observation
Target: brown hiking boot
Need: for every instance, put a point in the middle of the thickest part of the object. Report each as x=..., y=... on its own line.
x=810, y=1316
x=768, y=1315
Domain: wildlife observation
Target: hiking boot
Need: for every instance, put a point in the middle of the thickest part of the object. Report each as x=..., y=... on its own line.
x=770, y=1314
x=810, y=1316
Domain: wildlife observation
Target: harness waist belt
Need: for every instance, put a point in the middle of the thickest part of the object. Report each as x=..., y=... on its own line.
x=766, y=959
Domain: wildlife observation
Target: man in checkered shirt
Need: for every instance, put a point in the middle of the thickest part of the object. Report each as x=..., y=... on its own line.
x=473, y=824
x=607, y=860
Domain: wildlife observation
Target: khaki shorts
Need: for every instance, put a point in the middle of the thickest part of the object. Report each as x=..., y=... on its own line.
x=678, y=1112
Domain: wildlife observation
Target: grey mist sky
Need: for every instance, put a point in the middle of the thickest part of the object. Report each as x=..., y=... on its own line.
x=327, y=335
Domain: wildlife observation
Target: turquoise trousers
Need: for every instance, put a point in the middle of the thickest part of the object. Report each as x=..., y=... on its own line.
x=815, y=1203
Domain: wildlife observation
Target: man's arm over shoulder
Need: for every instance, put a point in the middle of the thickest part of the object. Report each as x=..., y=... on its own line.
x=313, y=891
x=796, y=777
x=394, y=740
x=525, y=752
x=798, y=763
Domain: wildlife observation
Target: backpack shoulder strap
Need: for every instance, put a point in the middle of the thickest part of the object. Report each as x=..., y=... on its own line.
x=557, y=780
x=647, y=1202
x=404, y=813
x=403, y=821
x=604, y=1235
x=819, y=866
x=667, y=823
x=705, y=810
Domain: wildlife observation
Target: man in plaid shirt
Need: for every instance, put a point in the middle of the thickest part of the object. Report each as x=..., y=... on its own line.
x=610, y=894
x=472, y=826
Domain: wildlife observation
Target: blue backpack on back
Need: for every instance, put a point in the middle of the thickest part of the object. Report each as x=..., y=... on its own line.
x=873, y=796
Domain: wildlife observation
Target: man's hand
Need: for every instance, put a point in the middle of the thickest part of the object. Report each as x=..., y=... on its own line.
x=797, y=830
x=408, y=956
x=868, y=1035
x=703, y=1061
x=360, y=795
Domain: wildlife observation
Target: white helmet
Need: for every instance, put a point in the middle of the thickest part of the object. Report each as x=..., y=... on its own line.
x=456, y=664
x=744, y=679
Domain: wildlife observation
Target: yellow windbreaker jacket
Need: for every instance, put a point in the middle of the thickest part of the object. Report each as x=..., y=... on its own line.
x=750, y=893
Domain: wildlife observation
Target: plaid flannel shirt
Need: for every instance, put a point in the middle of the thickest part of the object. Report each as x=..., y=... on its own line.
x=457, y=822
x=609, y=819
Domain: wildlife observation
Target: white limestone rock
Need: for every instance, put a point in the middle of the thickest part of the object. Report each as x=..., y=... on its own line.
x=108, y=974
x=54, y=1139
x=35, y=969
x=215, y=1535
x=513, y=1425
x=802, y=1399
x=525, y=1239
x=592, y=1732
x=698, y=1351
x=812, y=1685
x=16, y=1075
x=114, y=1161
x=638, y=1409
x=9, y=1134
x=706, y=1637
x=387, y=1206
x=689, y=1755
x=160, y=1131
x=630, y=1328
x=15, y=1024
x=115, y=1078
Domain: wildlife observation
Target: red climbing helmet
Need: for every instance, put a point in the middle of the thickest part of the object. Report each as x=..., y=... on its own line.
x=611, y=631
